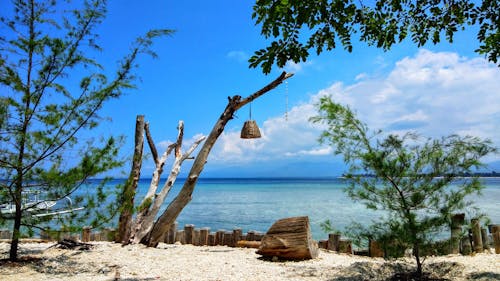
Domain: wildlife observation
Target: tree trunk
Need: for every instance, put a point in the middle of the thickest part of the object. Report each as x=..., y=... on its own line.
x=130, y=187
x=416, y=252
x=149, y=208
x=289, y=238
x=16, y=232
x=184, y=197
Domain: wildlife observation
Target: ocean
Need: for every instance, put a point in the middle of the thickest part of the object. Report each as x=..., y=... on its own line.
x=255, y=203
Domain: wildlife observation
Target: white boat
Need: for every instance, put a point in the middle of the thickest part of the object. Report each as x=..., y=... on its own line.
x=33, y=206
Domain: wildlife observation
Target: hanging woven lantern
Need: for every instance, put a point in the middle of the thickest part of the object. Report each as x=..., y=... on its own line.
x=250, y=130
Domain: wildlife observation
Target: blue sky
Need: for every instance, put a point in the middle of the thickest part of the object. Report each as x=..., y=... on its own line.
x=436, y=90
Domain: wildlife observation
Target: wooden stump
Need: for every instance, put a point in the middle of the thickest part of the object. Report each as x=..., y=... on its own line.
x=466, y=246
x=189, y=233
x=484, y=237
x=477, y=241
x=170, y=239
x=237, y=235
x=250, y=236
x=457, y=221
x=196, y=237
x=85, y=234
x=204, y=232
x=259, y=236
x=211, y=239
x=289, y=238
x=375, y=250
x=219, y=237
x=345, y=246
x=227, y=239
x=495, y=232
x=179, y=236
x=333, y=241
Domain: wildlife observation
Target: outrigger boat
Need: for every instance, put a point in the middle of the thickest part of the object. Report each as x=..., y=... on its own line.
x=34, y=206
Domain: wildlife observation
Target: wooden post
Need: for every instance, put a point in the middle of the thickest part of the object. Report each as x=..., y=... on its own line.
x=466, y=247
x=258, y=236
x=484, y=237
x=476, y=236
x=495, y=232
x=188, y=233
x=179, y=237
x=375, y=250
x=211, y=239
x=323, y=244
x=250, y=236
x=110, y=234
x=457, y=221
x=227, y=239
x=204, y=236
x=345, y=246
x=170, y=237
x=237, y=235
x=219, y=237
x=86, y=234
x=333, y=241
x=196, y=237
x=6, y=234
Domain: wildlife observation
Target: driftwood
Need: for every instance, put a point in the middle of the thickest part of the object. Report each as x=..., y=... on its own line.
x=69, y=244
x=248, y=244
x=289, y=238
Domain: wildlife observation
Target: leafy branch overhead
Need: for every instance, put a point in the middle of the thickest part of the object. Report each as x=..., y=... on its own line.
x=298, y=27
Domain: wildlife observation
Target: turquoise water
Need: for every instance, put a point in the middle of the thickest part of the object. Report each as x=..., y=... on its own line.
x=254, y=204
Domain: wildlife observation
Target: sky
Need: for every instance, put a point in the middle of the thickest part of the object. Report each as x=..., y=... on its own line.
x=435, y=90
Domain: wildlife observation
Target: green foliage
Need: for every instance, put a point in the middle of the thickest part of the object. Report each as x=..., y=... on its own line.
x=415, y=181
x=52, y=90
x=328, y=227
x=301, y=26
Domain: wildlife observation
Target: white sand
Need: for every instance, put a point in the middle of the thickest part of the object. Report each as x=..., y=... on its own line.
x=109, y=261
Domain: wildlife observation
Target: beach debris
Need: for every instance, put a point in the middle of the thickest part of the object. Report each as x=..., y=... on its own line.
x=248, y=244
x=69, y=244
x=289, y=238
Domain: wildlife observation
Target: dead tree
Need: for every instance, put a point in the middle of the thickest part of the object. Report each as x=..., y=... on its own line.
x=128, y=193
x=134, y=230
x=144, y=229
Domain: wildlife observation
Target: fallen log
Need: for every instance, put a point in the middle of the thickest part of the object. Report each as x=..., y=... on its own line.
x=248, y=244
x=289, y=238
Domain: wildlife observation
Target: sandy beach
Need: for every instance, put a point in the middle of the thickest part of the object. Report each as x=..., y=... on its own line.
x=110, y=261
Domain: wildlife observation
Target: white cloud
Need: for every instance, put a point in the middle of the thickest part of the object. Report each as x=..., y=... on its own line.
x=296, y=67
x=434, y=94
x=239, y=56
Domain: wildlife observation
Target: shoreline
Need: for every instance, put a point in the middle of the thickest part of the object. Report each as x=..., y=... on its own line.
x=111, y=261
